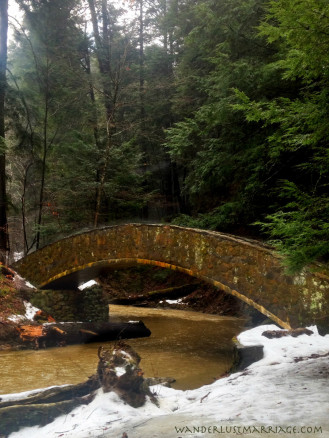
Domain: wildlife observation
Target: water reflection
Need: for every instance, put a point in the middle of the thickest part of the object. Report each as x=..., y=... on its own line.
x=193, y=348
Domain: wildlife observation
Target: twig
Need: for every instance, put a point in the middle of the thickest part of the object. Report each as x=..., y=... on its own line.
x=205, y=396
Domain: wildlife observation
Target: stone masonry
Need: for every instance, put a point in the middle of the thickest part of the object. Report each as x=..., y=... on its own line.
x=244, y=268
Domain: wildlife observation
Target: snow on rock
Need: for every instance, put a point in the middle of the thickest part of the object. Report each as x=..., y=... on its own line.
x=287, y=388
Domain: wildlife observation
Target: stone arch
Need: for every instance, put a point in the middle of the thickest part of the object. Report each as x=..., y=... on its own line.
x=241, y=267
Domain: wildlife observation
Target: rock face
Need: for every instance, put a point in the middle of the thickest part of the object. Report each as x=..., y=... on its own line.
x=118, y=370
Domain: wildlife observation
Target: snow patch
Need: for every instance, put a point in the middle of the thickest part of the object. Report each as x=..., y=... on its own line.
x=28, y=284
x=179, y=301
x=18, y=255
x=87, y=284
x=30, y=312
x=119, y=371
x=21, y=279
x=278, y=390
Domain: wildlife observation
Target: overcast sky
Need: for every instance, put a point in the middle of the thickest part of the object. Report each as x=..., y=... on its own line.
x=14, y=12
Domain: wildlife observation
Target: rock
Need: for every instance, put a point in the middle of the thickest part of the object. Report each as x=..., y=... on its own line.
x=246, y=355
x=271, y=334
x=300, y=331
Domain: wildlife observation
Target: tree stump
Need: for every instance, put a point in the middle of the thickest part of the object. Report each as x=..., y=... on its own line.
x=118, y=370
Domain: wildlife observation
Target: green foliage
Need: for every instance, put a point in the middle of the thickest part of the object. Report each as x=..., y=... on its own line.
x=225, y=120
x=224, y=158
x=300, y=129
x=59, y=126
x=221, y=218
x=300, y=231
x=301, y=28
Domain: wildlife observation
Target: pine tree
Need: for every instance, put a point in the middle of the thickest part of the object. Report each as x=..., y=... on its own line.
x=49, y=90
x=298, y=223
x=225, y=165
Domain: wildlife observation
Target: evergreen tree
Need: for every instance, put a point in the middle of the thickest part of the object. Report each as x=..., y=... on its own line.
x=227, y=171
x=46, y=81
x=298, y=223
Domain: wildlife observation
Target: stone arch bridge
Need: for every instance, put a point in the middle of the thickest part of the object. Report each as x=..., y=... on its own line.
x=241, y=267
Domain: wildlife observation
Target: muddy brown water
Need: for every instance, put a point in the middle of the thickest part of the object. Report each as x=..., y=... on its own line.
x=192, y=347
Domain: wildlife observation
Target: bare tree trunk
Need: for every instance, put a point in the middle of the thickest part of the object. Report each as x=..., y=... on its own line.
x=141, y=65
x=96, y=133
x=4, y=238
x=43, y=170
x=23, y=209
x=103, y=58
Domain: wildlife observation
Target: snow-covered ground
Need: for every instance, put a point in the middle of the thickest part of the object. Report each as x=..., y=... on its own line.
x=284, y=394
x=30, y=311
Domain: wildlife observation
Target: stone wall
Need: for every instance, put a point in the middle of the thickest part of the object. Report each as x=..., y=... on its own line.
x=241, y=267
x=72, y=305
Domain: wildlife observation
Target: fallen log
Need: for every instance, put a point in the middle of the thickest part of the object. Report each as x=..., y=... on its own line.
x=12, y=418
x=170, y=292
x=44, y=406
x=55, y=394
x=64, y=333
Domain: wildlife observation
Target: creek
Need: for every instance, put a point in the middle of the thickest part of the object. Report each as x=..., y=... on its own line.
x=192, y=347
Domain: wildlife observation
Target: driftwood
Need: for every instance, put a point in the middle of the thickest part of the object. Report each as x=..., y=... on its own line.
x=56, y=394
x=43, y=407
x=170, y=292
x=60, y=334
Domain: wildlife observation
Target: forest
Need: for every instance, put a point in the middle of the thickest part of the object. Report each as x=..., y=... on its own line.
x=202, y=113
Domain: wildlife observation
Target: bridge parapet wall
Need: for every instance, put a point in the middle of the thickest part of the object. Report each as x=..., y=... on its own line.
x=241, y=267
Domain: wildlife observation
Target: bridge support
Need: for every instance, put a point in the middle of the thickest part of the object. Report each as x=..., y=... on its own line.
x=72, y=305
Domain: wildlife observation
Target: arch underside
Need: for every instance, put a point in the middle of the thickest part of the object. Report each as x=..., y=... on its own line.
x=77, y=275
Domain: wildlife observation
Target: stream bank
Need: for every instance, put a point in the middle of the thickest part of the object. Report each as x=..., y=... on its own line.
x=283, y=393
x=141, y=286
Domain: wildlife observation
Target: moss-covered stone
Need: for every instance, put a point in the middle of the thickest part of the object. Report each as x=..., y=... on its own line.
x=244, y=268
x=72, y=305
